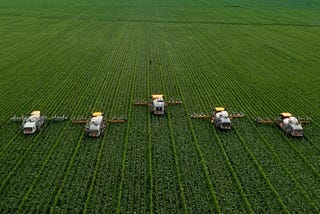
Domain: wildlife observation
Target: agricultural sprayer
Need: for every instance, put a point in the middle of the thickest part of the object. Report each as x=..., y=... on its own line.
x=289, y=124
x=33, y=123
x=157, y=104
x=219, y=117
x=96, y=125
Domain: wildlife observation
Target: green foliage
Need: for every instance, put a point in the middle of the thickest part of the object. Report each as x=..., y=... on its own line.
x=75, y=57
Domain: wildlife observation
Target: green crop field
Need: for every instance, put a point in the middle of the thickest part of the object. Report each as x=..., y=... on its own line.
x=75, y=57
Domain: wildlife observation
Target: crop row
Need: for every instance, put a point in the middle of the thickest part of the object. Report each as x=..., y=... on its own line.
x=103, y=62
x=225, y=142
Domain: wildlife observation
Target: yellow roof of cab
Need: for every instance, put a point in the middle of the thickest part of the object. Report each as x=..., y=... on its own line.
x=155, y=96
x=219, y=108
x=286, y=114
x=95, y=114
x=35, y=113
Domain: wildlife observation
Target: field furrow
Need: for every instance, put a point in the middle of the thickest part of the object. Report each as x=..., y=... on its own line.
x=74, y=58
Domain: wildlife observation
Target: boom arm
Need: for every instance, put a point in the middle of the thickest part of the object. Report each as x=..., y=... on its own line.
x=173, y=102
x=18, y=118
x=58, y=118
x=264, y=120
x=141, y=103
x=236, y=115
x=304, y=120
x=53, y=119
x=200, y=116
x=79, y=121
x=116, y=121
x=113, y=120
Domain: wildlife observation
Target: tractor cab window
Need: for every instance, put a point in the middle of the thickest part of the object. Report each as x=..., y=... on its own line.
x=94, y=133
x=297, y=133
x=226, y=125
x=27, y=130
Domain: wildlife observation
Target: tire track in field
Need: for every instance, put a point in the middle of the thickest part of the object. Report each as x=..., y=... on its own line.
x=219, y=141
x=170, y=86
x=6, y=145
x=196, y=143
x=262, y=172
x=239, y=186
x=166, y=196
x=228, y=161
x=71, y=163
x=222, y=148
x=118, y=62
x=190, y=206
x=170, y=125
x=136, y=192
x=205, y=168
x=238, y=183
x=134, y=201
x=301, y=38
x=125, y=149
x=113, y=107
x=284, y=46
x=123, y=63
x=149, y=77
x=150, y=182
x=14, y=188
x=129, y=89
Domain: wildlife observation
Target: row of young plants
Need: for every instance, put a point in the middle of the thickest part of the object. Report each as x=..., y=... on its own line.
x=90, y=164
x=294, y=204
x=165, y=159
x=195, y=178
x=11, y=146
x=21, y=99
x=137, y=187
x=33, y=147
x=217, y=88
x=211, y=151
x=107, y=167
x=156, y=164
x=244, y=74
x=24, y=79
